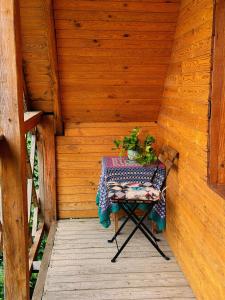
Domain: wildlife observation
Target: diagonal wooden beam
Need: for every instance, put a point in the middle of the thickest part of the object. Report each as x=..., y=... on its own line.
x=12, y=152
x=51, y=39
x=31, y=119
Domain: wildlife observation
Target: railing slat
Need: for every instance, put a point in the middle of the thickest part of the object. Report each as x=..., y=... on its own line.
x=35, y=221
x=39, y=287
x=36, y=243
x=31, y=119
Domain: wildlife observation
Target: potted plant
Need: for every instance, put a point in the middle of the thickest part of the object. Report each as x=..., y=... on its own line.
x=146, y=154
x=129, y=144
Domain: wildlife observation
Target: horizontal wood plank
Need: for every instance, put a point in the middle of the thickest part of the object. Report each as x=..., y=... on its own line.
x=80, y=266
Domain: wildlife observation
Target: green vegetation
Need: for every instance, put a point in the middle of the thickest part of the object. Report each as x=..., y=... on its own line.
x=145, y=151
x=130, y=142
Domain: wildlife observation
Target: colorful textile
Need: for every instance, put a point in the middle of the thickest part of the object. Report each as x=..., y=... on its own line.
x=132, y=192
x=120, y=169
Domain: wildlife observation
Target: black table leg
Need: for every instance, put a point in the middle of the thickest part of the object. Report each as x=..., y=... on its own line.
x=138, y=225
x=123, y=224
x=129, y=237
x=135, y=220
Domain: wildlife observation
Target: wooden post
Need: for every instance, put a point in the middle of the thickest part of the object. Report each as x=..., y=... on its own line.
x=48, y=9
x=14, y=196
x=47, y=168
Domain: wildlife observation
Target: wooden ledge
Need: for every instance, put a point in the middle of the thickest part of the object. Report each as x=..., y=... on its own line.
x=39, y=287
x=31, y=119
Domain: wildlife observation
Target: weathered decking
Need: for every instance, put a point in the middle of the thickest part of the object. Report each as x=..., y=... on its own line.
x=80, y=267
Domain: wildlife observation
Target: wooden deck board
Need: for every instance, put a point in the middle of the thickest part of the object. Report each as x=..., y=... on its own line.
x=80, y=267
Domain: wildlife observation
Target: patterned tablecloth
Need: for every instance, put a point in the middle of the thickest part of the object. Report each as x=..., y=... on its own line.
x=120, y=169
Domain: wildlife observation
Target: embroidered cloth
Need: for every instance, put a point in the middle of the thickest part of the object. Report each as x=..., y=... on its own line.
x=122, y=170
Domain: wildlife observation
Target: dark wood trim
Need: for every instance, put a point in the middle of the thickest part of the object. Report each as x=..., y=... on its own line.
x=216, y=144
x=31, y=119
x=13, y=155
x=39, y=288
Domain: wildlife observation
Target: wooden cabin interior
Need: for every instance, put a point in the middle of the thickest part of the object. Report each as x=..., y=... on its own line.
x=90, y=71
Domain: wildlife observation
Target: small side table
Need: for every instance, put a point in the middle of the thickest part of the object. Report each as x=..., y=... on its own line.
x=120, y=169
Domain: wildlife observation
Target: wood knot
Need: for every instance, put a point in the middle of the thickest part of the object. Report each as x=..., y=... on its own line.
x=77, y=24
x=95, y=41
x=125, y=4
x=110, y=16
x=125, y=67
x=111, y=96
x=126, y=35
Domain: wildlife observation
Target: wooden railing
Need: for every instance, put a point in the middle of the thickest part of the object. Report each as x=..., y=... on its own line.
x=35, y=216
x=41, y=211
x=15, y=201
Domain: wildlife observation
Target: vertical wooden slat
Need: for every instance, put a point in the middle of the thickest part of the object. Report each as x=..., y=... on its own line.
x=216, y=168
x=14, y=199
x=31, y=192
x=47, y=169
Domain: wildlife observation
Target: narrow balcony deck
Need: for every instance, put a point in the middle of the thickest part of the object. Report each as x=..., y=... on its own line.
x=80, y=266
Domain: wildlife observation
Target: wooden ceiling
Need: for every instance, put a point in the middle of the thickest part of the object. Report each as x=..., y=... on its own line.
x=112, y=57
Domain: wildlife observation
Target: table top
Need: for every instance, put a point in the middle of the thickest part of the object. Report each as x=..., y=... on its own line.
x=124, y=162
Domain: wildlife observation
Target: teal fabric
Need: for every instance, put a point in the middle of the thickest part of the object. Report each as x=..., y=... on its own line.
x=105, y=221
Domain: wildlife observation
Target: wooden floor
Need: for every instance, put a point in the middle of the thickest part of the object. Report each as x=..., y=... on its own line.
x=80, y=267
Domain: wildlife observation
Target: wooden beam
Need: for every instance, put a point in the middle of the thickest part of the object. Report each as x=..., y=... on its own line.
x=47, y=168
x=216, y=156
x=14, y=197
x=39, y=287
x=31, y=119
x=53, y=69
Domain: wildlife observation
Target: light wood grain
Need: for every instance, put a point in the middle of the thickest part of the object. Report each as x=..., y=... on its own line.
x=79, y=154
x=84, y=269
x=13, y=156
x=47, y=168
x=100, y=36
x=195, y=214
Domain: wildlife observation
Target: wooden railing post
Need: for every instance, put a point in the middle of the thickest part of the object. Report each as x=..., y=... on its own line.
x=47, y=168
x=14, y=196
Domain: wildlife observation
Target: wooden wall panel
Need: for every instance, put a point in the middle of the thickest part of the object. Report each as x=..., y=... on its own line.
x=39, y=57
x=79, y=155
x=113, y=57
x=195, y=214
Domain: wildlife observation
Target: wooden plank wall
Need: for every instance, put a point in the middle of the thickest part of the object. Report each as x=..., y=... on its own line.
x=37, y=64
x=79, y=155
x=113, y=57
x=195, y=214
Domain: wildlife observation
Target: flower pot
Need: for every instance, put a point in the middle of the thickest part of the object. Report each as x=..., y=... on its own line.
x=132, y=154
